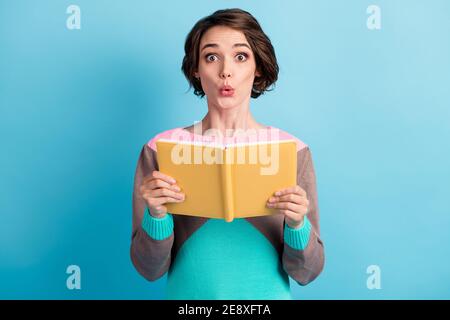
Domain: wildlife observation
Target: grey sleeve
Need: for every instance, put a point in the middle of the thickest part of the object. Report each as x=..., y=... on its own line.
x=305, y=265
x=150, y=257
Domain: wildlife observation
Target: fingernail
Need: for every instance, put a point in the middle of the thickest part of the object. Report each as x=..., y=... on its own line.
x=277, y=193
x=172, y=180
x=177, y=188
x=271, y=199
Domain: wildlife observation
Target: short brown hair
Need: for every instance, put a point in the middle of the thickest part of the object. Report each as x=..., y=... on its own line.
x=266, y=61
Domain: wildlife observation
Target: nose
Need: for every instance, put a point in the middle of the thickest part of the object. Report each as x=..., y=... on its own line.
x=225, y=74
x=225, y=69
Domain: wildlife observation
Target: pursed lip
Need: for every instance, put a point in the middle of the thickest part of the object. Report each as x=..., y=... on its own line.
x=226, y=87
x=226, y=91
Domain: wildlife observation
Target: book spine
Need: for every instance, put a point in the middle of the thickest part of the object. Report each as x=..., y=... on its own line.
x=227, y=187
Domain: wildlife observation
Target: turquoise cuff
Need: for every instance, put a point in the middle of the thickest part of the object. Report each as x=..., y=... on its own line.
x=157, y=228
x=298, y=238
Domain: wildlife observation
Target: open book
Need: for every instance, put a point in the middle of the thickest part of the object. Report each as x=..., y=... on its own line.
x=227, y=181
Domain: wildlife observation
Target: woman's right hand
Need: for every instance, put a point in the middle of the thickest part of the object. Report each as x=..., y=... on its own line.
x=157, y=189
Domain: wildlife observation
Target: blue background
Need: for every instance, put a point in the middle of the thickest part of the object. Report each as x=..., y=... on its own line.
x=78, y=105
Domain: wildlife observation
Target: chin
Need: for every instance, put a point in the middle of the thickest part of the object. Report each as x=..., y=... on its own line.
x=226, y=102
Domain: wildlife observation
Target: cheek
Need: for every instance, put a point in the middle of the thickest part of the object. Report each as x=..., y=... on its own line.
x=207, y=83
x=248, y=79
x=249, y=73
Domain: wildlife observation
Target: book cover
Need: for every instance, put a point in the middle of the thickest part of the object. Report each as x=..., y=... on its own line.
x=227, y=181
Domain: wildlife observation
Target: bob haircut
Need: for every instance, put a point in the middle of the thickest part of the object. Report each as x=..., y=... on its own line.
x=265, y=59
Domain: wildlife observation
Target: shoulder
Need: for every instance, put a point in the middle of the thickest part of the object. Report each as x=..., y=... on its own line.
x=284, y=135
x=172, y=134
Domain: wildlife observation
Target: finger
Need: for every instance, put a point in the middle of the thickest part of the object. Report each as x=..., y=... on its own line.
x=286, y=205
x=149, y=195
x=158, y=183
x=164, y=192
x=291, y=197
x=155, y=202
x=295, y=189
x=294, y=199
x=159, y=175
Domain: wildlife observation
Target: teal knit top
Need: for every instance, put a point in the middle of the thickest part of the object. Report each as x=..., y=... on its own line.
x=223, y=260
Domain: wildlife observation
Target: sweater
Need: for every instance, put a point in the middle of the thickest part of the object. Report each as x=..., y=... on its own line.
x=249, y=258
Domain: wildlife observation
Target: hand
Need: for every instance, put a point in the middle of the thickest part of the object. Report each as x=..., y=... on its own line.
x=293, y=203
x=157, y=189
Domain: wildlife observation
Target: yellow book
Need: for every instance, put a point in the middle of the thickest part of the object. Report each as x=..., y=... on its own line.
x=227, y=181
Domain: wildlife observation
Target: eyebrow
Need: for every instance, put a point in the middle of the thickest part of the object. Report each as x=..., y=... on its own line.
x=215, y=45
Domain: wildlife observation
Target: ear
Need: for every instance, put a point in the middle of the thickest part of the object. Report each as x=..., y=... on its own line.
x=257, y=73
x=196, y=75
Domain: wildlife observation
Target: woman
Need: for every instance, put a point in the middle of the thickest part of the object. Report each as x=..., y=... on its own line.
x=229, y=59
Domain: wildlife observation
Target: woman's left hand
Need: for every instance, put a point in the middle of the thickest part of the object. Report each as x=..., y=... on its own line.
x=292, y=202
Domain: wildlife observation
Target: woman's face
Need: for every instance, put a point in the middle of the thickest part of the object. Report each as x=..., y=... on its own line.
x=226, y=58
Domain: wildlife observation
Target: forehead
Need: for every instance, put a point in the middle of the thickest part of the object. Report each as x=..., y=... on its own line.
x=223, y=36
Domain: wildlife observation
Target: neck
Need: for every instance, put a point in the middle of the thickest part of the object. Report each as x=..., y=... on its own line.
x=229, y=120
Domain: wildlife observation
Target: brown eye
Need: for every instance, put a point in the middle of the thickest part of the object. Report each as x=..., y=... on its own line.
x=208, y=56
x=242, y=57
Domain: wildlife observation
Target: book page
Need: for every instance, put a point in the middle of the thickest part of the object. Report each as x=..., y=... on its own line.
x=197, y=170
x=259, y=171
